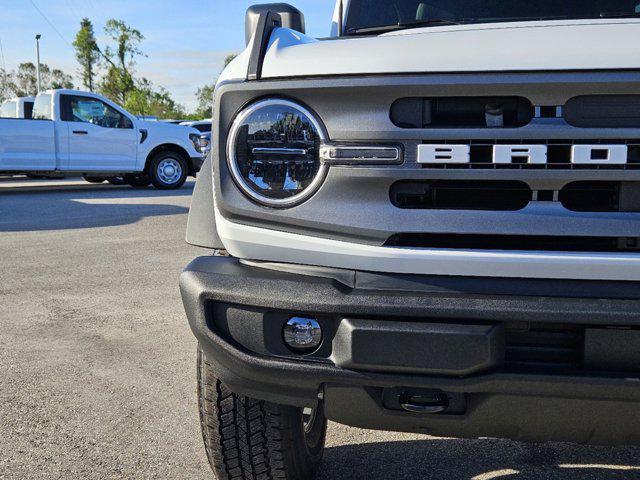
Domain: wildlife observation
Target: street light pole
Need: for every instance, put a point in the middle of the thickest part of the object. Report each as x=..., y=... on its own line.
x=38, y=37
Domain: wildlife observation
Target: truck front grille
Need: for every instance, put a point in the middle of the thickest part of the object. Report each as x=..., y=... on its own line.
x=505, y=195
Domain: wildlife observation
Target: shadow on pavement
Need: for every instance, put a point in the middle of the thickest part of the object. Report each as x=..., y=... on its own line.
x=68, y=208
x=104, y=190
x=455, y=459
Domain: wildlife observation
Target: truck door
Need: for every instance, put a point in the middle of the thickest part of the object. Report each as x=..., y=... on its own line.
x=101, y=138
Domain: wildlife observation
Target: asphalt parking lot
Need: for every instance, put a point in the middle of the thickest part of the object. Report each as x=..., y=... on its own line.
x=97, y=363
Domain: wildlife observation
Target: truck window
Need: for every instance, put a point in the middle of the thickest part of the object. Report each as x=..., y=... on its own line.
x=8, y=110
x=367, y=14
x=92, y=110
x=28, y=110
x=42, y=107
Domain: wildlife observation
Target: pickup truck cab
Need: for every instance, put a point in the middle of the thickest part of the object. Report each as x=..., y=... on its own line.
x=20, y=107
x=429, y=222
x=81, y=132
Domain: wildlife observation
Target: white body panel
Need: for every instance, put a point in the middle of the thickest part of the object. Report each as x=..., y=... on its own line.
x=75, y=146
x=27, y=145
x=103, y=149
x=243, y=241
x=521, y=46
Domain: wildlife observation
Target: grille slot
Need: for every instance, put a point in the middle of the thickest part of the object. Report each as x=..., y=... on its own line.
x=601, y=196
x=462, y=112
x=544, y=347
x=603, y=111
x=461, y=195
x=551, y=243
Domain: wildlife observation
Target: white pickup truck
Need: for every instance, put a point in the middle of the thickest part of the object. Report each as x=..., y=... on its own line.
x=84, y=133
x=20, y=107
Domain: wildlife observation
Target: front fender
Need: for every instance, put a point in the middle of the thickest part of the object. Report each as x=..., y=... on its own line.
x=201, y=225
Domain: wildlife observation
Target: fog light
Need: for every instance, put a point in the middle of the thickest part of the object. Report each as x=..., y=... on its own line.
x=302, y=334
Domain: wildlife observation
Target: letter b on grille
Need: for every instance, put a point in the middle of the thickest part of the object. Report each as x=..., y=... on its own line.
x=444, y=154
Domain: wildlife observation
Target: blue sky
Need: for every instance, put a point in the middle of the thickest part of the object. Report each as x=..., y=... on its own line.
x=186, y=41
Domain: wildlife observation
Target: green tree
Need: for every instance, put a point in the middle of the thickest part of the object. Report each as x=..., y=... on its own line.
x=229, y=58
x=204, y=97
x=147, y=99
x=87, y=53
x=5, y=87
x=204, y=94
x=119, y=81
x=23, y=82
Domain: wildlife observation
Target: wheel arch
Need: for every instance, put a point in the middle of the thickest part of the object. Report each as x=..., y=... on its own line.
x=169, y=147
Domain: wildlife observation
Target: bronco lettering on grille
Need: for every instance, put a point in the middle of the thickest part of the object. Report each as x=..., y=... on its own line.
x=523, y=154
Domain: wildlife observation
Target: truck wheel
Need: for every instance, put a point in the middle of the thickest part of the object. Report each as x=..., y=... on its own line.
x=91, y=179
x=249, y=439
x=168, y=170
x=137, y=181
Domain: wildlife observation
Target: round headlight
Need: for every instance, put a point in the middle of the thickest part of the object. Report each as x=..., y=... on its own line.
x=273, y=152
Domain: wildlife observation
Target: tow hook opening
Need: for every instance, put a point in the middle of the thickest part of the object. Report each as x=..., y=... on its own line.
x=432, y=402
x=424, y=401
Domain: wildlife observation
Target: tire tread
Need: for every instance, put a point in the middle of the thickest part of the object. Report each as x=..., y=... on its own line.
x=245, y=438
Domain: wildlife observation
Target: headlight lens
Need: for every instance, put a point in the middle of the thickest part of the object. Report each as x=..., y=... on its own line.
x=195, y=140
x=203, y=144
x=273, y=152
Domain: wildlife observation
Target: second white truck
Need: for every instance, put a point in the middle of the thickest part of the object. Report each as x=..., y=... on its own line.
x=84, y=133
x=20, y=107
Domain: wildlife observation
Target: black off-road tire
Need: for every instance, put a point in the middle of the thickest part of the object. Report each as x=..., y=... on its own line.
x=177, y=160
x=249, y=439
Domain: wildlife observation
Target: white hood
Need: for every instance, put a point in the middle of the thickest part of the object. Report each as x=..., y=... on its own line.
x=518, y=46
x=168, y=128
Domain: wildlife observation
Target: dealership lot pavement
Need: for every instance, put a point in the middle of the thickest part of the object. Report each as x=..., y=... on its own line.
x=97, y=376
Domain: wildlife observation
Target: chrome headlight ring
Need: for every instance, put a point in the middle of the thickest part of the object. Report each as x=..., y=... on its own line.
x=285, y=156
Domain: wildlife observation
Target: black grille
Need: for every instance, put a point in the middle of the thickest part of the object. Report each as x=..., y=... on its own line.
x=558, y=154
x=544, y=347
x=461, y=112
x=461, y=195
x=601, y=196
x=603, y=111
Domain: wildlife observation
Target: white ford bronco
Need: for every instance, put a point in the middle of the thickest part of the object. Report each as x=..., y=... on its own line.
x=428, y=222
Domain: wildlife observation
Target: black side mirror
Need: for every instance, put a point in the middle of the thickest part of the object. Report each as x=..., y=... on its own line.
x=288, y=16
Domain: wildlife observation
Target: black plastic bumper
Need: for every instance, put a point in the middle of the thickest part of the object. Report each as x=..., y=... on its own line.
x=196, y=164
x=575, y=406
